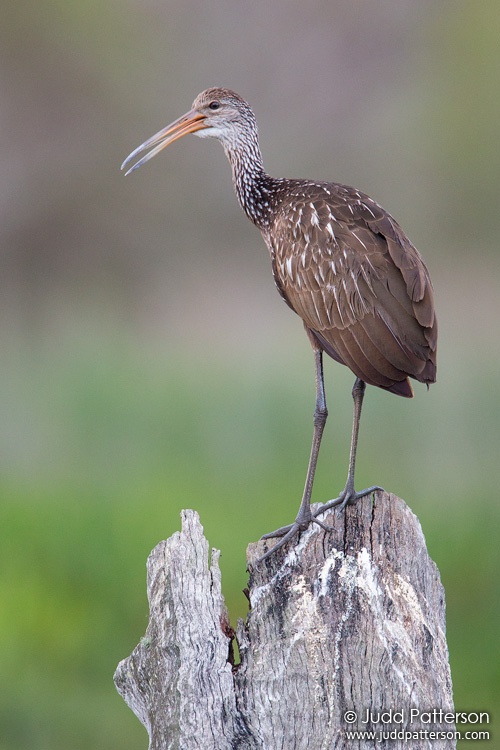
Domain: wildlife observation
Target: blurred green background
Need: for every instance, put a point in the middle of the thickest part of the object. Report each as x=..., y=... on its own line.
x=148, y=364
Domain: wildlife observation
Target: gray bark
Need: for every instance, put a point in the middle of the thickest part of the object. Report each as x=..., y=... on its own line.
x=347, y=620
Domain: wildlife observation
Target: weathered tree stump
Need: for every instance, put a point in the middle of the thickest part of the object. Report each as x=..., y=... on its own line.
x=346, y=632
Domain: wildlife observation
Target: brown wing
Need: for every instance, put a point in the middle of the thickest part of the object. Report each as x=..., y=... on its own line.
x=346, y=267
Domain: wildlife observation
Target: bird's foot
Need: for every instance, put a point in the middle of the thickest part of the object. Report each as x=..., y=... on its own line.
x=348, y=496
x=285, y=533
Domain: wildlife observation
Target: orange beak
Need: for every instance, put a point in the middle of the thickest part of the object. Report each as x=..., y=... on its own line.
x=188, y=123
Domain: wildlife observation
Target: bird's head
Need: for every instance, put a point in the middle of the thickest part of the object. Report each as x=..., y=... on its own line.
x=217, y=113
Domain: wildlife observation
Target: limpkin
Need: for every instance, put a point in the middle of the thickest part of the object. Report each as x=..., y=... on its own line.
x=339, y=260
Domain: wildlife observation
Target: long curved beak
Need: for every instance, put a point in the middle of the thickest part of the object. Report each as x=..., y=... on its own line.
x=188, y=123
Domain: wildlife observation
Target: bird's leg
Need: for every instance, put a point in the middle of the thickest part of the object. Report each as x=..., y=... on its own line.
x=349, y=494
x=304, y=516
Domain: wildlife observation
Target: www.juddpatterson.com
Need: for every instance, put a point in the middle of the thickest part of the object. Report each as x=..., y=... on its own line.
x=429, y=735
x=435, y=716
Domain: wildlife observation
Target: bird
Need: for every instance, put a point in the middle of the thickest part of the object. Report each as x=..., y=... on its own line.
x=340, y=261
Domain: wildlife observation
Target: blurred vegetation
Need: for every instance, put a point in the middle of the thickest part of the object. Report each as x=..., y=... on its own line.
x=147, y=362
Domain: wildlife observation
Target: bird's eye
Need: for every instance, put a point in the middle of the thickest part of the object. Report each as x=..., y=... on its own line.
x=214, y=105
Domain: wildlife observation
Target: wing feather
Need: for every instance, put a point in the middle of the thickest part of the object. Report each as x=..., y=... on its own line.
x=348, y=270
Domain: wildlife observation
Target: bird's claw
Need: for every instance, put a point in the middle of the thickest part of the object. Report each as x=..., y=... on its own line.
x=282, y=531
x=285, y=532
x=347, y=497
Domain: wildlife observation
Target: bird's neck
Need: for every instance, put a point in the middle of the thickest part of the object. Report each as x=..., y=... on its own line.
x=253, y=186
